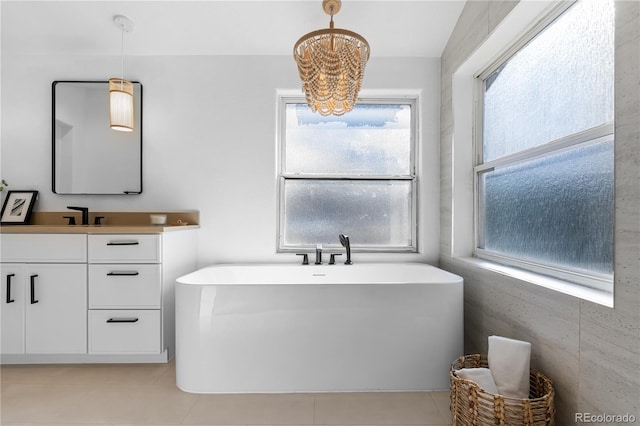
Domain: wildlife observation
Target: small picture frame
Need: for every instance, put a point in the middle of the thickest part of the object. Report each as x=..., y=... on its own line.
x=17, y=207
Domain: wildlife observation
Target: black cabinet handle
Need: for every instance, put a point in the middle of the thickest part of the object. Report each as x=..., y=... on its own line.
x=123, y=243
x=33, y=289
x=9, y=299
x=121, y=320
x=123, y=274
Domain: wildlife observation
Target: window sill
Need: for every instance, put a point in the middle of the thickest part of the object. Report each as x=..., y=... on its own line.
x=585, y=293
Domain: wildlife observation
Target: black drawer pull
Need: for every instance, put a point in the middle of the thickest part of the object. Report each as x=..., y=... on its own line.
x=33, y=289
x=121, y=320
x=123, y=274
x=9, y=299
x=123, y=243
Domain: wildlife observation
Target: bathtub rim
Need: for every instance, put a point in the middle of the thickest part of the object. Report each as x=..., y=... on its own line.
x=319, y=274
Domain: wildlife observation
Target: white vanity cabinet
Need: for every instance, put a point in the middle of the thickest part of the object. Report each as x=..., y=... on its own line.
x=44, y=294
x=93, y=296
x=125, y=294
x=131, y=291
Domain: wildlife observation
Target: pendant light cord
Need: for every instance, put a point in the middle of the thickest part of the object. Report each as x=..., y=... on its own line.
x=122, y=55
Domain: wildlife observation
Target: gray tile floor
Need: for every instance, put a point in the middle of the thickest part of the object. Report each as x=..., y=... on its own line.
x=119, y=394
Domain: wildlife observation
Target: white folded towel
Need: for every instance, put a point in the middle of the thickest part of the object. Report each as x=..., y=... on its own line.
x=482, y=376
x=509, y=362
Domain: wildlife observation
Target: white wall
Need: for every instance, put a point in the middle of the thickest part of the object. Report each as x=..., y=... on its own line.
x=209, y=141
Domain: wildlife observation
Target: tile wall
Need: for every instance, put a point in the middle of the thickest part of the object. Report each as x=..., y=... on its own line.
x=591, y=352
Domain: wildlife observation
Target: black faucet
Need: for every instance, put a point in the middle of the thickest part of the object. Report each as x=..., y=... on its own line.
x=318, y=254
x=85, y=213
x=344, y=240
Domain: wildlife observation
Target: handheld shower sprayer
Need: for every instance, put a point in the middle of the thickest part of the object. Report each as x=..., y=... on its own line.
x=344, y=240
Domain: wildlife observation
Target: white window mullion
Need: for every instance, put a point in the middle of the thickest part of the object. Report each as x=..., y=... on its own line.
x=589, y=136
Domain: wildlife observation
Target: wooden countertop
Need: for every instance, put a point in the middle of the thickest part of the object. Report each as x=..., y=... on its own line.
x=91, y=229
x=113, y=223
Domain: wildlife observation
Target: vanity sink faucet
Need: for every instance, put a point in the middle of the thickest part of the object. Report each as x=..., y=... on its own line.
x=85, y=213
x=318, y=254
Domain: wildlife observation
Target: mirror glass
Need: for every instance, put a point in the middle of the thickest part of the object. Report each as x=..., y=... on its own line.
x=88, y=156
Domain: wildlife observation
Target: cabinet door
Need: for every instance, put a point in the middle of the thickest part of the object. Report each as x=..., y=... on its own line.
x=56, y=308
x=12, y=308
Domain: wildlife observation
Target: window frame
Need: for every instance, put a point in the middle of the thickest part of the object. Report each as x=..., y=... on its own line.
x=593, y=280
x=412, y=101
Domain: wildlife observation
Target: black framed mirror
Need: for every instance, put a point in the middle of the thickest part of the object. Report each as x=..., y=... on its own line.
x=88, y=156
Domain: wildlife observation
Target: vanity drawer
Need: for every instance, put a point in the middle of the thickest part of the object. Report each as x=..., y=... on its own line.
x=125, y=286
x=44, y=248
x=124, y=248
x=120, y=331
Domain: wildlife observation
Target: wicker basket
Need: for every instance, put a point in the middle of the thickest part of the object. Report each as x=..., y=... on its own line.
x=470, y=405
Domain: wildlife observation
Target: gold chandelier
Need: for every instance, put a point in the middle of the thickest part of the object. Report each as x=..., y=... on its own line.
x=331, y=65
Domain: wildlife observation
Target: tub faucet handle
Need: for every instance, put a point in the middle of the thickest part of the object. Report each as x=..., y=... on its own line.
x=305, y=258
x=318, y=254
x=332, y=259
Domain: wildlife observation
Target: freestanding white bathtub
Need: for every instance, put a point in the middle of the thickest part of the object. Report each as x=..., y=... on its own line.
x=327, y=328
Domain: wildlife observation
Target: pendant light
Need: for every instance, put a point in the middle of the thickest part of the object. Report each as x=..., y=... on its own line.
x=121, y=90
x=331, y=65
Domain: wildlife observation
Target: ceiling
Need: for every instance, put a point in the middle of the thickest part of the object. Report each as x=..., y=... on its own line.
x=394, y=28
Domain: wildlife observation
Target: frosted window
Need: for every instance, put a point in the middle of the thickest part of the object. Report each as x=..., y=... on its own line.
x=351, y=174
x=557, y=210
x=545, y=187
x=370, y=140
x=560, y=83
x=372, y=213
